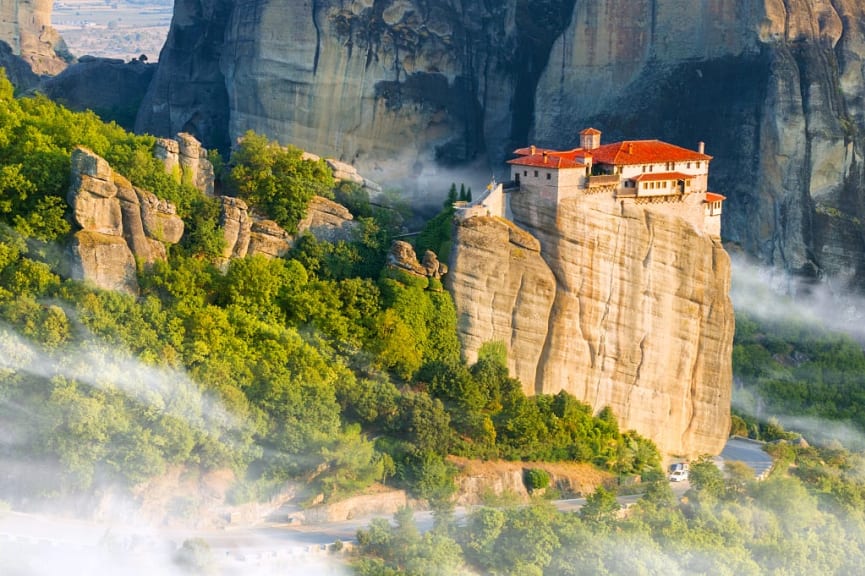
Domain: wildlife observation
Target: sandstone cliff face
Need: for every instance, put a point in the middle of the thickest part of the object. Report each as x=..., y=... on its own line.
x=399, y=87
x=626, y=308
x=394, y=88
x=25, y=25
x=119, y=224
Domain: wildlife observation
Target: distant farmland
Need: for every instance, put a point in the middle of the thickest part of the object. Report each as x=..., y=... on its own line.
x=120, y=29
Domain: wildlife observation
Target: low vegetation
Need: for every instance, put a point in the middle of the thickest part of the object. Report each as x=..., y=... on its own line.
x=806, y=518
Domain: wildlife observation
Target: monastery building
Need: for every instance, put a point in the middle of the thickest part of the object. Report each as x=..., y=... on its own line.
x=655, y=174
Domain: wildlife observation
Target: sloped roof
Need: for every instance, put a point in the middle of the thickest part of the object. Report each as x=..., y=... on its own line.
x=657, y=176
x=644, y=152
x=547, y=158
x=712, y=197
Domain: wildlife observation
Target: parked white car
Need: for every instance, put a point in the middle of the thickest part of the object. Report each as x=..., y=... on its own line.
x=679, y=475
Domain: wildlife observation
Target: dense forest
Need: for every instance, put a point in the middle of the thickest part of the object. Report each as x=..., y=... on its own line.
x=325, y=366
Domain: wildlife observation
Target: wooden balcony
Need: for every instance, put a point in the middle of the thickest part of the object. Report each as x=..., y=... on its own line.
x=603, y=181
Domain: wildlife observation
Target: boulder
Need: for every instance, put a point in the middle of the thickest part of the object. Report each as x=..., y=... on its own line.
x=328, y=221
x=402, y=257
x=269, y=239
x=104, y=260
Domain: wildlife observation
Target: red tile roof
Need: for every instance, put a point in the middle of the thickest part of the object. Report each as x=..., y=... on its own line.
x=712, y=197
x=590, y=131
x=644, y=152
x=654, y=177
x=546, y=158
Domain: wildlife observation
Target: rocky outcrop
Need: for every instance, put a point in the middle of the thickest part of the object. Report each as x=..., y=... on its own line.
x=343, y=172
x=620, y=306
x=399, y=88
x=111, y=88
x=403, y=257
x=26, y=27
x=188, y=92
x=186, y=159
x=328, y=221
x=503, y=290
x=119, y=224
x=247, y=234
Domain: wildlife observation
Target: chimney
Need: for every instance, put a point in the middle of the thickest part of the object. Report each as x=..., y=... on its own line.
x=545, y=157
x=533, y=149
x=701, y=147
x=630, y=147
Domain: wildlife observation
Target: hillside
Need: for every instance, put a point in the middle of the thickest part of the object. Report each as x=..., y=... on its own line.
x=244, y=325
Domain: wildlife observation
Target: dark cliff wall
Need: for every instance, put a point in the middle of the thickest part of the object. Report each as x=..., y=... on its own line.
x=401, y=87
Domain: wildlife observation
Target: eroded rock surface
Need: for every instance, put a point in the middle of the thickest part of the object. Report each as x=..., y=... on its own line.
x=186, y=159
x=118, y=223
x=626, y=308
x=247, y=234
x=26, y=27
x=399, y=88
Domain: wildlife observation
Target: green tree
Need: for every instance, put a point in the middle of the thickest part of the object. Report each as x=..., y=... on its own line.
x=601, y=507
x=277, y=180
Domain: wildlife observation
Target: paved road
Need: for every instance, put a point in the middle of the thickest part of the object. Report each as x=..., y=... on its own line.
x=750, y=452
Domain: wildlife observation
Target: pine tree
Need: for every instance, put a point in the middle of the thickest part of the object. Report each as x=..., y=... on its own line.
x=452, y=196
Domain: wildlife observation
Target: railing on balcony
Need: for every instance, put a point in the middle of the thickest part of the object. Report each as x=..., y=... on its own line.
x=603, y=181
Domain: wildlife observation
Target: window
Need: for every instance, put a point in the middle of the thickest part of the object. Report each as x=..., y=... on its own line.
x=651, y=167
x=549, y=176
x=698, y=164
x=689, y=164
x=536, y=173
x=644, y=168
x=525, y=172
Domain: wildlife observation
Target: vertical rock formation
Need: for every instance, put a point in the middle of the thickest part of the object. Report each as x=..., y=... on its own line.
x=188, y=93
x=622, y=307
x=503, y=291
x=25, y=25
x=775, y=88
x=400, y=87
x=395, y=88
x=119, y=224
x=186, y=159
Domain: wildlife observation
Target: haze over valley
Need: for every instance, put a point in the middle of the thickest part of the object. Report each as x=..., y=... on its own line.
x=385, y=287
